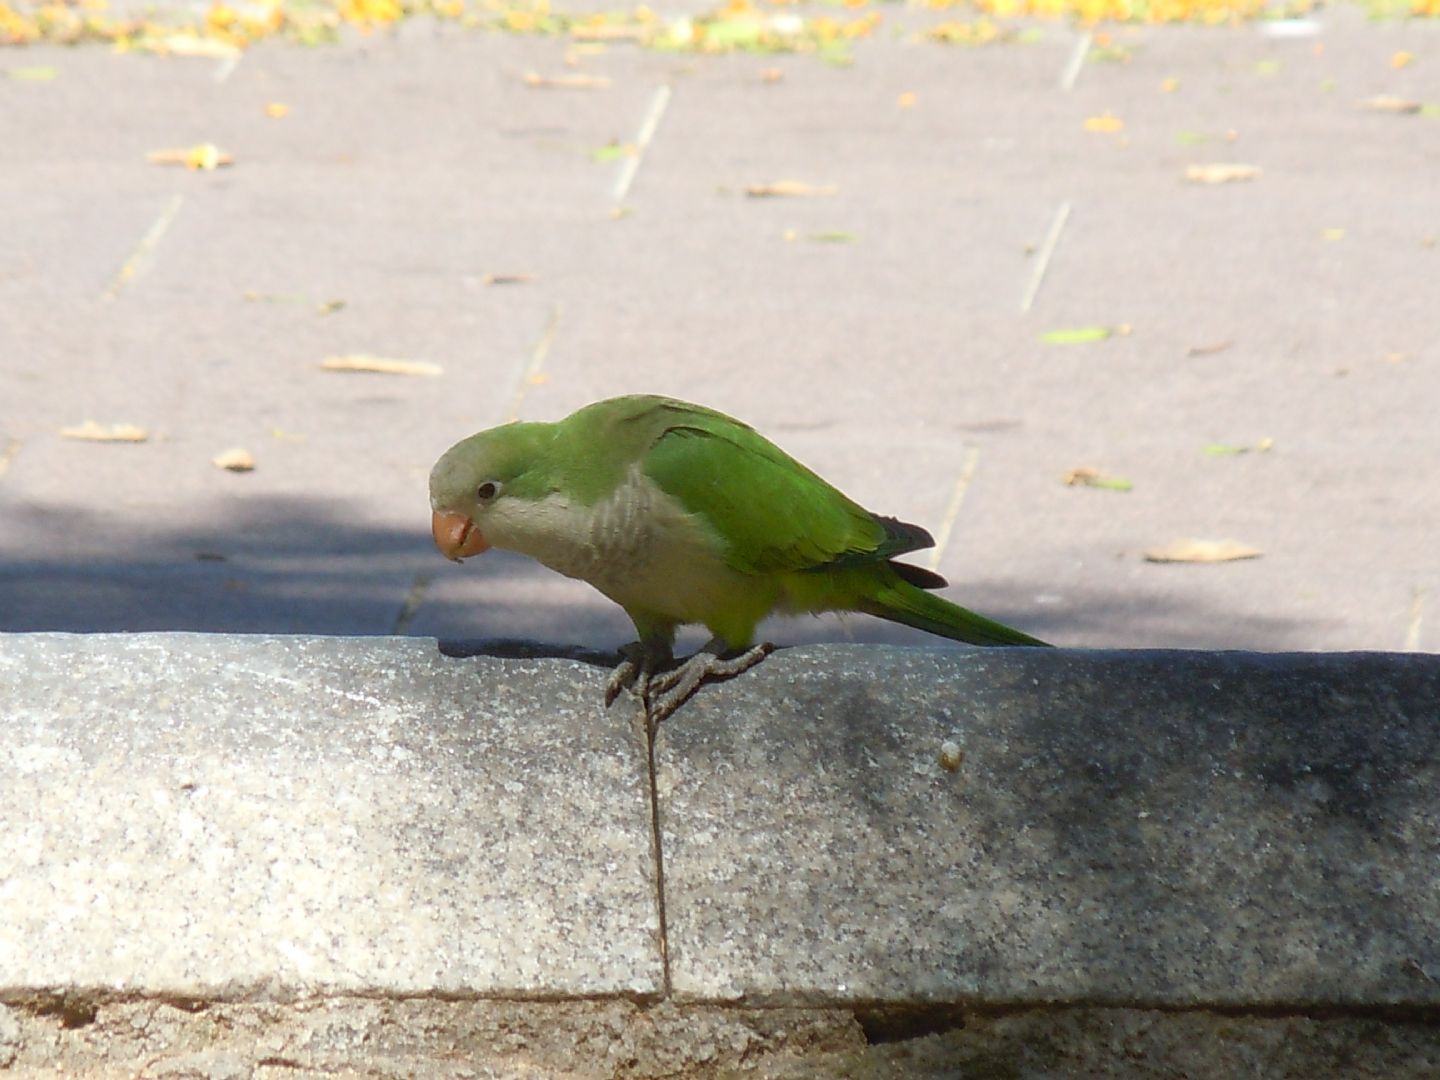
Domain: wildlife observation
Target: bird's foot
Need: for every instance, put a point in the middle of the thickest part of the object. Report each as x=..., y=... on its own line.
x=663, y=694
x=638, y=664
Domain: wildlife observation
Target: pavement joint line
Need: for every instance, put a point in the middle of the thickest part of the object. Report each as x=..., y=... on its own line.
x=1044, y=255
x=411, y=605
x=7, y=455
x=957, y=498
x=630, y=165
x=652, y=734
x=1417, y=618
x=532, y=369
x=1076, y=61
x=144, y=249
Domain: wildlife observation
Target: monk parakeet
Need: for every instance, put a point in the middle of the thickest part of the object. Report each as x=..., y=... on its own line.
x=682, y=515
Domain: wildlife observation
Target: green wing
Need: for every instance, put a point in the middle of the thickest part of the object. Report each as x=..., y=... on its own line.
x=773, y=513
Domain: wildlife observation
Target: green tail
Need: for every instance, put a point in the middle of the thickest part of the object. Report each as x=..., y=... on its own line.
x=900, y=601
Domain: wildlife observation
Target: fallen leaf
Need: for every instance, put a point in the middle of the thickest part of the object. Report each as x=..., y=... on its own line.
x=276, y=110
x=1085, y=476
x=1106, y=123
x=1224, y=450
x=1332, y=234
x=1169, y=86
x=1391, y=104
x=906, y=100
x=566, y=82
x=1402, y=59
x=794, y=188
x=1221, y=173
x=90, y=431
x=236, y=459
x=772, y=75
x=507, y=279
x=833, y=237
x=329, y=307
x=1208, y=350
x=1202, y=551
x=619, y=212
x=202, y=156
x=612, y=152
x=33, y=74
x=186, y=43
x=380, y=366
x=1267, y=67
x=1081, y=335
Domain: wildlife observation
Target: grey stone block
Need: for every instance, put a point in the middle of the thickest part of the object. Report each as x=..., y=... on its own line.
x=200, y=816
x=1177, y=829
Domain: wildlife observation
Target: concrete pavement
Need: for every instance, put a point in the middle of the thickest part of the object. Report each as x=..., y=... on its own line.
x=1298, y=307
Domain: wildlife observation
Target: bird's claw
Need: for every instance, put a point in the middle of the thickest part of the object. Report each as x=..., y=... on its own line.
x=665, y=693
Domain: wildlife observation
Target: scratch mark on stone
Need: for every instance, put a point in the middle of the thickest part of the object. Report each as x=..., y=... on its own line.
x=7, y=455
x=145, y=249
x=413, y=599
x=1417, y=618
x=1045, y=254
x=957, y=497
x=630, y=165
x=531, y=374
x=283, y=680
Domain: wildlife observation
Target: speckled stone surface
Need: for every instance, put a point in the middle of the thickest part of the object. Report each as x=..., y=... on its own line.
x=276, y=816
x=1178, y=829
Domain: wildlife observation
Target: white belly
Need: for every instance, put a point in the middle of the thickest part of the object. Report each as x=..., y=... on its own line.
x=639, y=546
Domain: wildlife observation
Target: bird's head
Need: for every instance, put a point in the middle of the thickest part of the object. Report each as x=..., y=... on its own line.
x=473, y=477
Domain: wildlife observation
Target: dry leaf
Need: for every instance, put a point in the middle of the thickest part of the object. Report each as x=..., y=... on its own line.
x=906, y=100
x=185, y=43
x=1402, y=59
x=1169, y=86
x=566, y=82
x=797, y=188
x=90, y=431
x=202, y=156
x=1085, y=476
x=1208, y=350
x=236, y=459
x=277, y=110
x=380, y=366
x=1390, y=103
x=507, y=279
x=772, y=75
x=1220, y=173
x=1202, y=551
x=1106, y=123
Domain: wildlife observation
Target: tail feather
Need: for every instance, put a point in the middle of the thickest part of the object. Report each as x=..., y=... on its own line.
x=898, y=600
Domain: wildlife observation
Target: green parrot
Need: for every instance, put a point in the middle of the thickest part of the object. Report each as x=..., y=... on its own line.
x=683, y=515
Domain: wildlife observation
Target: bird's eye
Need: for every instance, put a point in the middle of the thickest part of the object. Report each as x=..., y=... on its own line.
x=487, y=491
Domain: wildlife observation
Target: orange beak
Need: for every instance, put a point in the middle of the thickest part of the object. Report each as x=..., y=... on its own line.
x=456, y=535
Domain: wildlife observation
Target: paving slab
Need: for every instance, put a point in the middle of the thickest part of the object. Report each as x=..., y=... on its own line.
x=196, y=816
x=1024, y=827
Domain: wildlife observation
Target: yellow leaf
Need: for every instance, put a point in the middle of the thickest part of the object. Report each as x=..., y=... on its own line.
x=1221, y=173
x=1085, y=476
x=236, y=459
x=1389, y=103
x=1202, y=551
x=1402, y=59
x=1333, y=234
x=90, y=431
x=203, y=156
x=906, y=100
x=792, y=188
x=1106, y=123
x=1169, y=86
x=566, y=82
x=276, y=110
x=772, y=75
x=380, y=366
